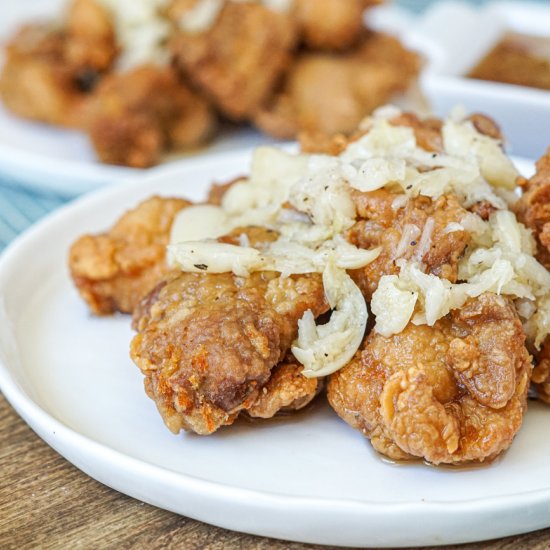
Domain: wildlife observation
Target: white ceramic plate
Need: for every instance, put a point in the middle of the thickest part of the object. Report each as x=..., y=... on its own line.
x=310, y=478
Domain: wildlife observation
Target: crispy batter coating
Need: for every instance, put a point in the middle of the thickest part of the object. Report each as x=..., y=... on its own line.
x=245, y=65
x=287, y=390
x=91, y=40
x=451, y=393
x=330, y=24
x=427, y=132
x=49, y=72
x=113, y=271
x=207, y=343
x=533, y=209
x=136, y=116
x=383, y=224
x=36, y=80
x=541, y=372
x=331, y=93
x=239, y=59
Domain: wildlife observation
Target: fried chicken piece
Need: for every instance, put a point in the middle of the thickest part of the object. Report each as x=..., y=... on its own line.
x=114, y=270
x=533, y=208
x=91, y=40
x=452, y=393
x=330, y=24
x=427, y=132
x=400, y=232
x=287, y=390
x=138, y=115
x=207, y=343
x=238, y=60
x=320, y=143
x=50, y=72
x=36, y=81
x=541, y=372
x=328, y=93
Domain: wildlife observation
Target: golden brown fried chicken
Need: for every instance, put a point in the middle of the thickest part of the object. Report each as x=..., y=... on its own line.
x=541, y=372
x=207, y=343
x=327, y=93
x=136, y=116
x=287, y=390
x=36, y=81
x=533, y=209
x=330, y=24
x=91, y=40
x=402, y=230
x=237, y=61
x=427, y=132
x=49, y=72
x=451, y=393
x=114, y=270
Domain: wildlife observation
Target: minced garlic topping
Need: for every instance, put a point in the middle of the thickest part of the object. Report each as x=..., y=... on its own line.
x=326, y=348
x=141, y=31
x=499, y=259
x=308, y=202
x=307, y=199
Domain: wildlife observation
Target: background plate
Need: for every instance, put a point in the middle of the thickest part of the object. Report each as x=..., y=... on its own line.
x=46, y=157
x=310, y=478
x=54, y=159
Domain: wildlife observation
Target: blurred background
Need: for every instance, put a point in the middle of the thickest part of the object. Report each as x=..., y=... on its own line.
x=43, y=166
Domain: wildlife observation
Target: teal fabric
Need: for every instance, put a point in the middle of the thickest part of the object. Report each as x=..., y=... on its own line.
x=20, y=207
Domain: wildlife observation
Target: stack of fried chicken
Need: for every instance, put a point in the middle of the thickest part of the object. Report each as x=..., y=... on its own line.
x=419, y=219
x=145, y=77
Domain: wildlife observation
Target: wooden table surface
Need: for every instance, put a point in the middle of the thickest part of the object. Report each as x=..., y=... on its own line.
x=45, y=502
